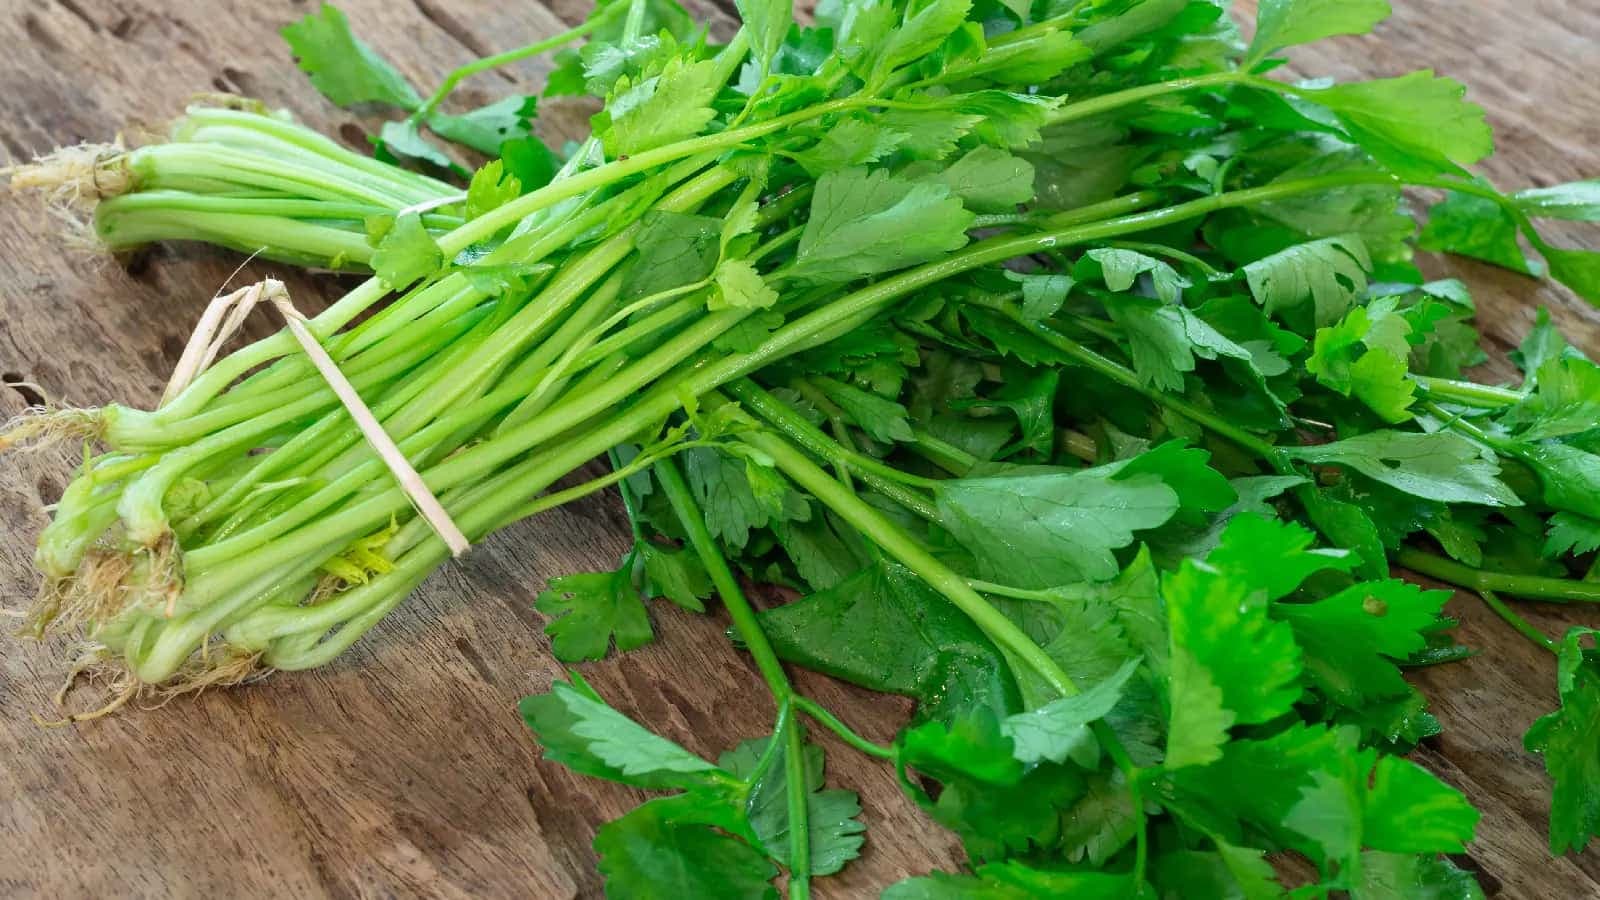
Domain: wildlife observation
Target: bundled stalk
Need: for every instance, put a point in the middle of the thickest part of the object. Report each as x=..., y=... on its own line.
x=1037, y=349
x=241, y=178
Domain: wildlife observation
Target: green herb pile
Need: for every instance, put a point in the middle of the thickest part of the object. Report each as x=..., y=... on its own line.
x=1069, y=370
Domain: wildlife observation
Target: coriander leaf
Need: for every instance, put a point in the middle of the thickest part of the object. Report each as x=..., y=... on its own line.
x=882, y=418
x=988, y=180
x=581, y=732
x=1231, y=664
x=1572, y=533
x=1042, y=294
x=1400, y=876
x=1104, y=821
x=530, y=161
x=406, y=253
x=1565, y=402
x=1164, y=339
x=869, y=222
x=1014, y=881
x=401, y=140
x=749, y=333
x=1228, y=873
x=740, y=286
x=835, y=834
x=658, y=110
x=767, y=22
x=1201, y=489
x=923, y=29
x=675, y=249
x=1409, y=810
x=1040, y=531
x=1354, y=640
x=1418, y=125
x=1478, y=227
x=1061, y=728
x=342, y=67
x=1577, y=269
x=1121, y=268
x=1273, y=556
x=484, y=129
x=1331, y=273
x=1567, y=739
x=850, y=142
x=1366, y=354
x=677, y=575
x=646, y=855
x=1569, y=476
x=491, y=187
x=1031, y=397
x=1289, y=23
x=1442, y=466
x=1578, y=201
x=996, y=805
x=1346, y=525
x=590, y=610
x=884, y=629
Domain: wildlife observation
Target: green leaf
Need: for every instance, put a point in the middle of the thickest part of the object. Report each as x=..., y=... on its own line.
x=836, y=835
x=655, y=111
x=1331, y=273
x=1478, y=227
x=1060, y=729
x=1121, y=268
x=675, y=249
x=850, y=142
x=530, y=161
x=589, y=611
x=1040, y=531
x=767, y=22
x=1231, y=664
x=1042, y=294
x=1567, y=738
x=342, y=67
x=882, y=418
x=402, y=140
x=883, y=628
x=1366, y=355
x=1572, y=533
x=677, y=575
x=646, y=855
x=1577, y=269
x=1354, y=640
x=1290, y=23
x=1164, y=339
x=1031, y=396
x=1442, y=466
x=491, y=187
x=1565, y=402
x=406, y=253
x=1014, y=881
x=1228, y=873
x=740, y=286
x=1578, y=201
x=581, y=732
x=1399, y=876
x=1273, y=556
x=484, y=129
x=988, y=180
x=924, y=28
x=869, y=222
x=1418, y=125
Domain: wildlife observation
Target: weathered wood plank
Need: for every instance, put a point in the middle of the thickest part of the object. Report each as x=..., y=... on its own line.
x=402, y=769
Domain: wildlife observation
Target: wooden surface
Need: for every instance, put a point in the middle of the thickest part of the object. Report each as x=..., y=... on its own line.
x=403, y=770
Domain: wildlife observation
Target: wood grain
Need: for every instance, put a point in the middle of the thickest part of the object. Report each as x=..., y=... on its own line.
x=402, y=770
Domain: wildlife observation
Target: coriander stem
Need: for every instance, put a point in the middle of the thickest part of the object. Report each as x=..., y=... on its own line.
x=1095, y=106
x=461, y=73
x=845, y=733
x=766, y=659
x=1466, y=393
x=882, y=478
x=1531, y=587
x=1522, y=626
x=1128, y=379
